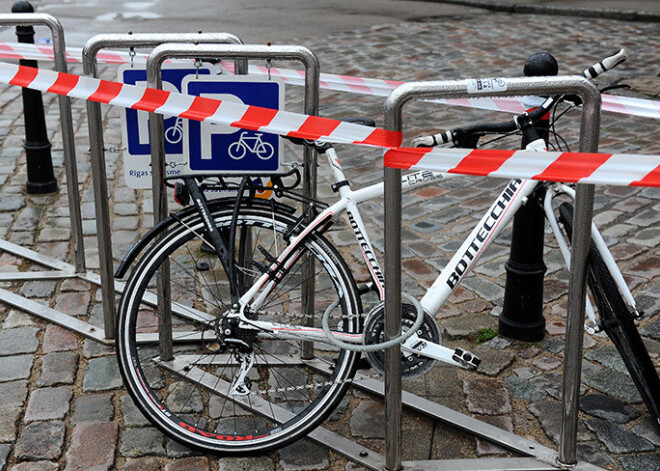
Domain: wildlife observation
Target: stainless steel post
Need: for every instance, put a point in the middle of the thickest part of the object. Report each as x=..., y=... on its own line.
x=581, y=240
x=459, y=89
x=248, y=52
x=95, y=123
x=70, y=166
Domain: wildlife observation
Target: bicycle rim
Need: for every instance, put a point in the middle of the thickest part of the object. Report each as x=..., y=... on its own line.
x=188, y=398
x=617, y=322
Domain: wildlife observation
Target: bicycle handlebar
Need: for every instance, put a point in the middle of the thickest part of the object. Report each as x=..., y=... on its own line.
x=471, y=133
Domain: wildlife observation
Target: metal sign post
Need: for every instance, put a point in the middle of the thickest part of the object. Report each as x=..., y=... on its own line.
x=589, y=132
x=227, y=51
x=95, y=120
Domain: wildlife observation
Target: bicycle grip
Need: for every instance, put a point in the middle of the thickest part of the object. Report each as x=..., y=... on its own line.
x=434, y=140
x=606, y=64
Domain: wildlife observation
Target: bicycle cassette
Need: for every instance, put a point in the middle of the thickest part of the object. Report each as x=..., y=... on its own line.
x=412, y=365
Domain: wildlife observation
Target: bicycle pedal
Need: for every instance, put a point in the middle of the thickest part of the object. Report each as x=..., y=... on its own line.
x=467, y=359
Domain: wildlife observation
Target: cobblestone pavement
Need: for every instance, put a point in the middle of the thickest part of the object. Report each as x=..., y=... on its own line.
x=64, y=406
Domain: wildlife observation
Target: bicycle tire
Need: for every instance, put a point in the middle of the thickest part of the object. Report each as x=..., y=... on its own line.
x=236, y=150
x=220, y=423
x=267, y=149
x=617, y=322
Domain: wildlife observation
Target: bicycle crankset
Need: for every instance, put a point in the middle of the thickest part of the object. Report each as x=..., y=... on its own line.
x=374, y=332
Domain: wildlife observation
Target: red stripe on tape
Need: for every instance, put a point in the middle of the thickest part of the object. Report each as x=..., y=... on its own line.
x=651, y=179
x=152, y=100
x=315, y=127
x=201, y=108
x=24, y=76
x=404, y=159
x=572, y=167
x=382, y=138
x=255, y=117
x=482, y=162
x=106, y=92
x=64, y=84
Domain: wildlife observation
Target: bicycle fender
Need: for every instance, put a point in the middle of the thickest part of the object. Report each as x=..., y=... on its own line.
x=147, y=238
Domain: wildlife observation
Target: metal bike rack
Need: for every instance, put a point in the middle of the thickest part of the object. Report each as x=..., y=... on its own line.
x=95, y=120
x=589, y=133
x=156, y=130
x=64, y=270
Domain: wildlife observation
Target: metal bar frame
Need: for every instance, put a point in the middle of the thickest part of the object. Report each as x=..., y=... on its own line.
x=61, y=270
x=589, y=133
x=156, y=132
x=95, y=124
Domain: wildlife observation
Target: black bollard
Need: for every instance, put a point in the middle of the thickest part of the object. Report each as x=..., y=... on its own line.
x=522, y=313
x=40, y=175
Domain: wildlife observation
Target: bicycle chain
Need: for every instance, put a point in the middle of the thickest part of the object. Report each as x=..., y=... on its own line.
x=315, y=385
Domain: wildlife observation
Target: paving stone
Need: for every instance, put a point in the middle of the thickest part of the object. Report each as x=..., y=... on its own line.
x=17, y=318
x=38, y=289
x=48, y=403
x=487, y=397
x=196, y=463
x=485, y=447
x=605, y=407
x=549, y=414
x=40, y=441
x=36, y=466
x=652, y=330
x=58, y=339
x=368, y=420
x=592, y=452
x=616, y=438
x=184, y=397
x=615, y=384
x=253, y=463
x=648, y=430
x=15, y=367
x=498, y=343
x=4, y=453
x=524, y=390
x=136, y=442
x=92, y=348
x=493, y=361
x=141, y=464
x=102, y=374
x=608, y=356
x=546, y=363
x=484, y=289
x=19, y=340
x=13, y=394
x=553, y=345
x=93, y=446
x=643, y=462
x=93, y=408
x=11, y=203
x=132, y=415
x=8, y=418
x=304, y=455
x=75, y=303
x=465, y=326
x=58, y=368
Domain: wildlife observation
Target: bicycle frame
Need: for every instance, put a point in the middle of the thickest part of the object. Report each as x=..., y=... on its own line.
x=516, y=193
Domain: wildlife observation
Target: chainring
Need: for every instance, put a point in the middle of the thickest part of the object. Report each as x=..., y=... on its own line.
x=412, y=365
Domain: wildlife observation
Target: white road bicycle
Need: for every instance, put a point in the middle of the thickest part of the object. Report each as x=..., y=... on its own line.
x=259, y=359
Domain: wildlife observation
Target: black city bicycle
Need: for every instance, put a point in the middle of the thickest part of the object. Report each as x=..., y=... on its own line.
x=224, y=344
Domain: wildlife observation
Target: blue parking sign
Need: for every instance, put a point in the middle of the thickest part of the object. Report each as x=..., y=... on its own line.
x=224, y=149
x=135, y=125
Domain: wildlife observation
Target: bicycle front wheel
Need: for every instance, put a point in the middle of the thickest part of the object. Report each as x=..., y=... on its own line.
x=617, y=322
x=192, y=397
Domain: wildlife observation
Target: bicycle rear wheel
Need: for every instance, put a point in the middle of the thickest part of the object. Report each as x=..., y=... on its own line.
x=617, y=322
x=189, y=397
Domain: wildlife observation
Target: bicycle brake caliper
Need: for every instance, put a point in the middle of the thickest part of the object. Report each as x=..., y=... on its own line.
x=241, y=385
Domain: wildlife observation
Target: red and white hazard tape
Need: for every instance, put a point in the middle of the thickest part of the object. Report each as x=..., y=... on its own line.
x=197, y=108
x=570, y=167
x=616, y=169
x=342, y=83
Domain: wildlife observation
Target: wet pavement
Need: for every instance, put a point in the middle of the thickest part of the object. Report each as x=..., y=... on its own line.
x=65, y=408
